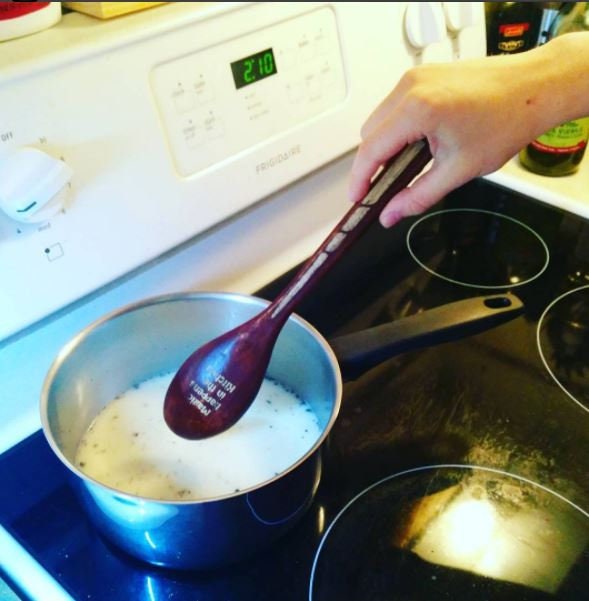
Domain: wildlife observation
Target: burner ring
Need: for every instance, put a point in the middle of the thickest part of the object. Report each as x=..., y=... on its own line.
x=510, y=220
x=543, y=355
x=510, y=519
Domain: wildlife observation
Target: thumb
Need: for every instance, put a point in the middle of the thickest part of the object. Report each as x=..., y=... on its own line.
x=424, y=192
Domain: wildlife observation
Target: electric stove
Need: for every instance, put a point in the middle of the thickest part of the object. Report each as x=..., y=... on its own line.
x=457, y=471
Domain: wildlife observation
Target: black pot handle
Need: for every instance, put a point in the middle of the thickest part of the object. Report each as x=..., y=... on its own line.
x=362, y=350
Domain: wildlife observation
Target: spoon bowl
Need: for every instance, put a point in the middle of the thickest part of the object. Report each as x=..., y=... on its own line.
x=216, y=385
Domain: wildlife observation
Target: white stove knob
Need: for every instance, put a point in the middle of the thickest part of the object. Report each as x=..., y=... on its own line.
x=33, y=184
x=424, y=23
x=460, y=15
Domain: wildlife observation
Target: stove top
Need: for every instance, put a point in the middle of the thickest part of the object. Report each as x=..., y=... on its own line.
x=457, y=471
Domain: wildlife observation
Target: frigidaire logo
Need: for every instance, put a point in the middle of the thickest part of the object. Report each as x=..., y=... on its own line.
x=278, y=158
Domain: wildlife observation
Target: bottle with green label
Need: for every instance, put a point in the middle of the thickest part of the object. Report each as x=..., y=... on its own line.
x=561, y=150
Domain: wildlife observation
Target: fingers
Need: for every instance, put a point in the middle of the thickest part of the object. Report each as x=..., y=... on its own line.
x=389, y=138
x=425, y=191
x=367, y=162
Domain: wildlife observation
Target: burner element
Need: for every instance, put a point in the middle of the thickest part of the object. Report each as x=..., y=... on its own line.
x=454, y=532
x=477, y=249
x=563, y=343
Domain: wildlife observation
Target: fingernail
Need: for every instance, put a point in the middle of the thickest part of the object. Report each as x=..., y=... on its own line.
x=390, y=218
x=352, y=193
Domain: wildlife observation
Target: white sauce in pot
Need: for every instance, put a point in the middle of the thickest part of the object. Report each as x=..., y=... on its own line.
x=129, y=446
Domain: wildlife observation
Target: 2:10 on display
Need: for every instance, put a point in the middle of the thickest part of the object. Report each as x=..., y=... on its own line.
x=253, y=68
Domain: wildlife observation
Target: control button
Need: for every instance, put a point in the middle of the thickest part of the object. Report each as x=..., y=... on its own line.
x=183, y=101
x=255, y=106
x=203, y=90
x=194, y=135
x=214, y=127
x=460, y=15
x=327, y=75
x=306, y=49
x=313, y=87
x=424, y=23
x=286, y=59
x=295, y=92
x=33, y=185
x=321, y=44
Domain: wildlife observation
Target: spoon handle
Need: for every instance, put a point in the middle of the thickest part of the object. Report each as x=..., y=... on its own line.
x=398, y=173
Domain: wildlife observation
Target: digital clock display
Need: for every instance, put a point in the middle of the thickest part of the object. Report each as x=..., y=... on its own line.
x=253, y=68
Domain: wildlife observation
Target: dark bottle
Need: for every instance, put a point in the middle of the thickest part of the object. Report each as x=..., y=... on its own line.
x=512, y=26
x=560, y=150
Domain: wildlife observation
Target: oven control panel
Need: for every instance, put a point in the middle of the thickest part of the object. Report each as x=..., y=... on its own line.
x=124, y=140
x=235, y=95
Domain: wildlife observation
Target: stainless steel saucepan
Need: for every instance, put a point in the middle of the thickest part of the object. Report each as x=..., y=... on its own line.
x=153, y=337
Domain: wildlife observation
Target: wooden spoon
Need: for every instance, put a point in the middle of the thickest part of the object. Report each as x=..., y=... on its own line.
x=215, y=386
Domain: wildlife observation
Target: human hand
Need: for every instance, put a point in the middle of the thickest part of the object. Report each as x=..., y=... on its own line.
x=475, y=115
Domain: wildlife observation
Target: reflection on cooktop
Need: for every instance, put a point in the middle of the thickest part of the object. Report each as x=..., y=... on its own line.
x=563, y=342
x=477, y=248
x=454, y=531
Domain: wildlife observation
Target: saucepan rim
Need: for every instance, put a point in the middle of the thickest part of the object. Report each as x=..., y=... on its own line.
x=70, y=347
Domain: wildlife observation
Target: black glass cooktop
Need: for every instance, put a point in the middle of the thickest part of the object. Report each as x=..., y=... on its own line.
x=457, y=471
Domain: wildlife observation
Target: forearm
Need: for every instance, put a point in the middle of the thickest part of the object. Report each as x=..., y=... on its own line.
x=556, y=78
